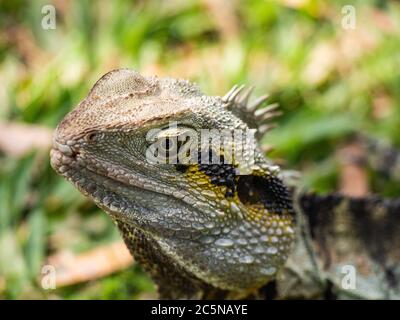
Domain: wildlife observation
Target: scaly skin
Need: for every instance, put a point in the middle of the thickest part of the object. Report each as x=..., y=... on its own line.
x=172, y=217
x=201, y=231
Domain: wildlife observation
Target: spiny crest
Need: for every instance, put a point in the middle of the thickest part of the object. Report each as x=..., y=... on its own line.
x=237, y=101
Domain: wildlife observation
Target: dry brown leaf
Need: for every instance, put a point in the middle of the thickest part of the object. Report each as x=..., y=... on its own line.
x=294, y=4
x=23, y=39
x=224, y=15
x=2, y=285
x=17, y=139
x=382, y=105
x=383, y=21
x=342, y=52
x=100, y=262
x=321, y=63
x=63, y=7
x=353, y=178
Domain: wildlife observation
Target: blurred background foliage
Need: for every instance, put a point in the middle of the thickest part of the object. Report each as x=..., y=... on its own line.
x=330, y=82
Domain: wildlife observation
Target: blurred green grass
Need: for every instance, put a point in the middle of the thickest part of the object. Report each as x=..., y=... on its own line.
x=330, y=82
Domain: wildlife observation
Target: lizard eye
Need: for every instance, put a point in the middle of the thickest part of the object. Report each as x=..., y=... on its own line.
x=91, y=137
x=171, y=144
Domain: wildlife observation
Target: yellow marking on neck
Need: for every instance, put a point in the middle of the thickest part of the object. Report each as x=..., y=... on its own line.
x=200, y=181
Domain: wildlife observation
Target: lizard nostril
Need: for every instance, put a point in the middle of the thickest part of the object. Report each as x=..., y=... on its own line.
x=65, y=149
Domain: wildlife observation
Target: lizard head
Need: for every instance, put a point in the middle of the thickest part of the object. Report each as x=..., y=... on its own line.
x=227, y=223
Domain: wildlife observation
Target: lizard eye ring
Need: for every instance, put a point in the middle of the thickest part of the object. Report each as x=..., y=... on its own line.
x=90, y=137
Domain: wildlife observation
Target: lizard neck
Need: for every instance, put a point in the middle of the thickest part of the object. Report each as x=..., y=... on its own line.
x=172, y=280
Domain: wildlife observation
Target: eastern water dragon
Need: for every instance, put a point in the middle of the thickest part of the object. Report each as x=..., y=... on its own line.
x=204, y=230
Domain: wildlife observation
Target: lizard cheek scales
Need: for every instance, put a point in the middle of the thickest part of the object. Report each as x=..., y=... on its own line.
x=261, y=221
x=201, y=223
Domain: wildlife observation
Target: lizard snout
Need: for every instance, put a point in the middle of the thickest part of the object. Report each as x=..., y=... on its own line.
x=63, y=148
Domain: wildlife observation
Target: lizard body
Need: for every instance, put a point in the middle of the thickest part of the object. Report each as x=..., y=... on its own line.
x=201, y=230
